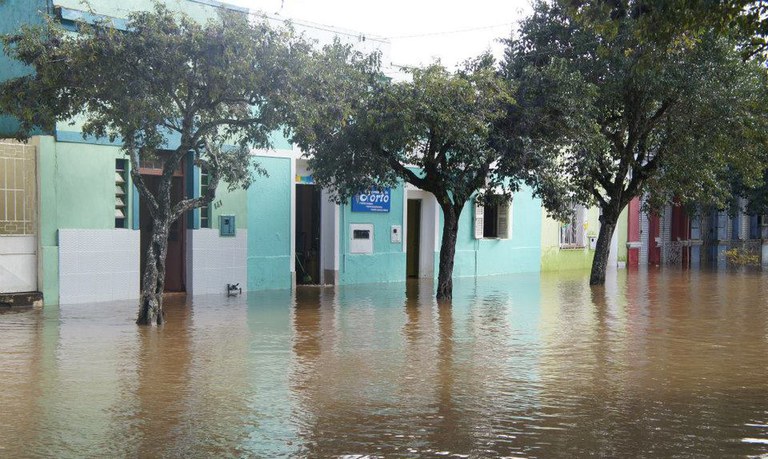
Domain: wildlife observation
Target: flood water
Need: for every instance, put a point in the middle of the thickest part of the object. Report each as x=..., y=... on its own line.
x=656, y=364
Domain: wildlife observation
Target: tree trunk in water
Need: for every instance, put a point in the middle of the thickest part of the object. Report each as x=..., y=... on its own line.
x=153, y=282
x=603, y=249
x=447, y=253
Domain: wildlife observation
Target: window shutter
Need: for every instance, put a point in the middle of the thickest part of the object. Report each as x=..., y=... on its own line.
x=479, y=220
x=504, y=219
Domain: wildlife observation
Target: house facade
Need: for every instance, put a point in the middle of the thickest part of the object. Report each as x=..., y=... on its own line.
x=676, y=236
x=570, y=245
x=76, y=227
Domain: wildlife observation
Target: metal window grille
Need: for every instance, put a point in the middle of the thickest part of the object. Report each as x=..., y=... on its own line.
x=205, y=211
x=17, y=189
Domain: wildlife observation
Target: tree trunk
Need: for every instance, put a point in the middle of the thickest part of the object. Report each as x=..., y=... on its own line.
x=447, y=253
x=600, y=263
x=153, y=282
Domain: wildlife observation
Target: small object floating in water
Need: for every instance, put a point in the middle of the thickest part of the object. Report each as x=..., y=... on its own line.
x=234, y=289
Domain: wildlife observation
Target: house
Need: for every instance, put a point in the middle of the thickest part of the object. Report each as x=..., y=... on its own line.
x=77, y=228
x=676, y=236
x=570, y=245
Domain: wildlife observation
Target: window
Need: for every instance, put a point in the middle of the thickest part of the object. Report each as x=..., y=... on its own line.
x=572, y=231
x=493, y=218
x=205, y=211
x=121, y=188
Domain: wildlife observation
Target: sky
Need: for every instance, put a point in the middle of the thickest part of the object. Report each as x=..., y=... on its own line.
x=420, y=31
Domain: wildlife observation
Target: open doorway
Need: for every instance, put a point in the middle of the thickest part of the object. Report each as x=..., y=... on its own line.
x=421, y=219
x=175, y=275
x=413, y=238
x=307, y=243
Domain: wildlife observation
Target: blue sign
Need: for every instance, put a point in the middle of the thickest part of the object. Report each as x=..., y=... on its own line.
x=375, y=201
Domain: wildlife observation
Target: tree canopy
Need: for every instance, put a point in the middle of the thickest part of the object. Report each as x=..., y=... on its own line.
x=163, y=87
x=664, y=21
x=361, y=130
x=632, y=116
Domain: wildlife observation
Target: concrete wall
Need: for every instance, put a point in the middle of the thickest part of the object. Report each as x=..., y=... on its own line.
x=520, y=253
x=621, y=232
x=214, y=261
x=199, y=9
x=269, y=226
x=387, y=262
x=77, y=191
x=97, y=265
x=555, y=258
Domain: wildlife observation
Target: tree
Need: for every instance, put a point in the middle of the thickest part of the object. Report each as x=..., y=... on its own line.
x=669, y=118
x=219, y=88
x=746, y=21
x=362, y=131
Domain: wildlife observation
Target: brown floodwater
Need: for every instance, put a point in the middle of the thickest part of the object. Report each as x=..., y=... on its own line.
x=656, y=364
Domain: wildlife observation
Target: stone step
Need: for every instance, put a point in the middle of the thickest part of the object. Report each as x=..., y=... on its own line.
x=22, y=299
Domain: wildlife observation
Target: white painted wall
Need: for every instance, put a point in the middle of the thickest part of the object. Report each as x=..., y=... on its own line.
x=18, y=264
x=214, y=261
x=98, y=265
x=329, y=240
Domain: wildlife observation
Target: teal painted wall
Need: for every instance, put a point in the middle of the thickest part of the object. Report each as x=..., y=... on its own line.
x=230, y=203
x=521, y=253
x=269, y=226
x=77, y=191
x=387, y=263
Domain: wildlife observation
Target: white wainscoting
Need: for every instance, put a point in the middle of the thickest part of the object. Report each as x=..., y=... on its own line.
x=214, y=261
x=98, y=265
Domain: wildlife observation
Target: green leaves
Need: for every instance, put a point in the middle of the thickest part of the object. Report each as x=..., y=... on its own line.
x=167, y=76
x=435, y=130
x=632, y=112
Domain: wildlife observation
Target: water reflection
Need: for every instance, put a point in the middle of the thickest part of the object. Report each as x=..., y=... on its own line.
x=653, y=364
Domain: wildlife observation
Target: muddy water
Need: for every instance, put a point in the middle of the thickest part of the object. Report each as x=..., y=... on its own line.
x=654, y=365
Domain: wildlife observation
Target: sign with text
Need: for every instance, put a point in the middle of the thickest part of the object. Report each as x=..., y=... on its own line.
x=374, y=201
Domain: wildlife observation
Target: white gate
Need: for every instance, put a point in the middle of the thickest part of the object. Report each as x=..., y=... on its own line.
x=18, y=218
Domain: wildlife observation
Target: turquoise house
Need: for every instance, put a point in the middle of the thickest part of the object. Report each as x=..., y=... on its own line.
x=77, y=227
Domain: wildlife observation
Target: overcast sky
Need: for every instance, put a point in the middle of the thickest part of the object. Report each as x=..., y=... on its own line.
x=419, y=30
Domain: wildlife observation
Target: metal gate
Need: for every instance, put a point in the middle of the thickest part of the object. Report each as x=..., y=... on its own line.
x=18, y=218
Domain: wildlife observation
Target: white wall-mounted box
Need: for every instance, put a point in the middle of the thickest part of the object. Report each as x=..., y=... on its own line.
x=361, y=238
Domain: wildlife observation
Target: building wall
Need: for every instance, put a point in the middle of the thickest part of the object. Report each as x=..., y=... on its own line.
x=555, y=258
x=13, y=14
x=198, y=9
x=621, y=231
x=387, y=262
x=98, y=265
x=269, y=206
x=213, y=261
x=77, y=191
x=483, y=257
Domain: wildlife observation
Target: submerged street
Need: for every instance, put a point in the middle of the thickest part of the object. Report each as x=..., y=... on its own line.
x=657, y=363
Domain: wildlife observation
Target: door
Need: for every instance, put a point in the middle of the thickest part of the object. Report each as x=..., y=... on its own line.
x=654, y=238
x=681, y=231
x=413, y=239
x=633, y=232
x=307, y=243
x=18, y=218
x=174, y=261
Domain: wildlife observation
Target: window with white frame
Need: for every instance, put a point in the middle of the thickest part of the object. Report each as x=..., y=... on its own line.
x=493, y=218
x=572, y=230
